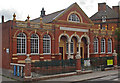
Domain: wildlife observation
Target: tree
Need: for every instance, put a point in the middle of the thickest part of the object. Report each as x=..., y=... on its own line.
x=117, y=37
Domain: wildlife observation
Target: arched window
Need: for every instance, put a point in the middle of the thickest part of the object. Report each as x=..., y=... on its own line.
x=95, y=45
x=21, y=43
x=74, y=18
x=109, y=46
x=34, y=43
x=46, y=44
x=102, y=45
x=71, y=47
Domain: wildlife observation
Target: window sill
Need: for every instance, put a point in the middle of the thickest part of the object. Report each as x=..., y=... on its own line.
x=46, y=53
x=95, y=53
x=70, y=53
x=21, y=54
x=102, y=53
x=109, y=53
x=34, y=54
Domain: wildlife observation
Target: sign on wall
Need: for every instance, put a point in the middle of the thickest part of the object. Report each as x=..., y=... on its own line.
x=109, y=62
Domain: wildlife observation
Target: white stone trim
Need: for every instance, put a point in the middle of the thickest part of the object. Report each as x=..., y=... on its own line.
x=73, y=29
x=17, y=64
x=64, y=34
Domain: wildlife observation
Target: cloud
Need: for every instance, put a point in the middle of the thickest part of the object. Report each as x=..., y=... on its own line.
x=8, y=14
x=83, y=2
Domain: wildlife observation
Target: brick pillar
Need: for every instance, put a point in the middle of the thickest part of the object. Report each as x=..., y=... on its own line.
x=78, y=63
x=115, y=59
x=27, y=69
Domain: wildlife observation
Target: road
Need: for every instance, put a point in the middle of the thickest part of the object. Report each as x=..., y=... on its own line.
x=109, y=79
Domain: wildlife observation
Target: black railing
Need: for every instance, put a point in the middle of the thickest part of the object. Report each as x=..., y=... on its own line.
x=54, y=66
x=97, y=63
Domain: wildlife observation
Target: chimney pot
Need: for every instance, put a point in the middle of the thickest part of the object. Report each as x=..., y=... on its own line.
x=2, y=18
x=101, y=6
x=115, y=8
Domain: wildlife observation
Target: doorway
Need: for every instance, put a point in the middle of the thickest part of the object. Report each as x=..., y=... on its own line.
x=61, y=51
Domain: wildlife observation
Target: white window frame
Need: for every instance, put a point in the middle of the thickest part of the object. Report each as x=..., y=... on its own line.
x=74, y=18
x=95, y=45
x=70, y=47
x=34, y=43
x=109, y=43
x=21, y=44
x=49, y=45
x=103, y=46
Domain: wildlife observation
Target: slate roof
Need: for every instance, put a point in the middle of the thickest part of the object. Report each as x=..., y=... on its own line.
x=109, y=13
x=48, y=18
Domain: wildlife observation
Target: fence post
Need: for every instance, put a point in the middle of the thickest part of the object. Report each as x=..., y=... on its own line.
x=115, y=59
x=27, y=69
x=78, y=63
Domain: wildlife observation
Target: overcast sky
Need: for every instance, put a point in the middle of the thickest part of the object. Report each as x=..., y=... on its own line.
x=33, y=7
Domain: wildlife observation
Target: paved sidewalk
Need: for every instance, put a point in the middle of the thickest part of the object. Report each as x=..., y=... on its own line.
x=85, y=76
x=5, y=73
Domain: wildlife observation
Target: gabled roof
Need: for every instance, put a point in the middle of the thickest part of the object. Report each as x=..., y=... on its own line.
x=51, y=17
x=109, y=13
x=48, y=18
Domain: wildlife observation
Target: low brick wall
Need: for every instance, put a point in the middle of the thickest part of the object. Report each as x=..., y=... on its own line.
x=53, y=70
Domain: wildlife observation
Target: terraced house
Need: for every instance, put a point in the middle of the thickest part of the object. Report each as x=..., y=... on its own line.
x=60, y=35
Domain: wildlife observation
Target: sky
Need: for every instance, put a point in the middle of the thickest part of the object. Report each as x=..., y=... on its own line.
x=23, y=8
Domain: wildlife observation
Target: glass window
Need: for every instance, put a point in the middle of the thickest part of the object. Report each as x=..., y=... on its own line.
x=109, y=45
x=103, y=18
x=21, y=43
x=46, y=44
x=95, y=45
x=34, y=41
x=71, y=47
x=74, y=18
x=102, y=45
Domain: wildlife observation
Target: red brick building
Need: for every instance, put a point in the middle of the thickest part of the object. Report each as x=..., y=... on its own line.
x=56, y=36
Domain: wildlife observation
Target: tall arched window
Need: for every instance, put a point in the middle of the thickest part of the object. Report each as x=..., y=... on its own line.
x=109, y=46
x=71, y=47
x=21, y=43
x=95, y=45
x=102, y=45
x=34, y=44
x=46, y=44
x=74, y=18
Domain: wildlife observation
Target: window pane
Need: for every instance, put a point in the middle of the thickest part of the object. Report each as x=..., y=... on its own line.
x=21, y=43
x=34, y=43
x=46, y=43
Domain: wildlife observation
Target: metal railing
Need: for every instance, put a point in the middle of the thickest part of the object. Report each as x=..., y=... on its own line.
x=54, y=66
x=97, y=63
x=18, y=69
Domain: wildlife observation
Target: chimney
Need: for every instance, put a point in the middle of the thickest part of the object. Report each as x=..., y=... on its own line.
x=2, y=18
x=101, y=6
x=115, y=8
x=42, y=12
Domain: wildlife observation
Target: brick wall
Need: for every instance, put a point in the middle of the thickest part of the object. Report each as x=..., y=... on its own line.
x=6, y=44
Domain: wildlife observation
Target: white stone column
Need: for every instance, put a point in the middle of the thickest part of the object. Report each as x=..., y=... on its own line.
x=69, y=56
x=79, y=49
x=88, y=50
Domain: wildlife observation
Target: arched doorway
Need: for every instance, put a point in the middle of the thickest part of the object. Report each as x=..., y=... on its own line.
x=84, y=48
x=74, y=47
x=63, y=46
